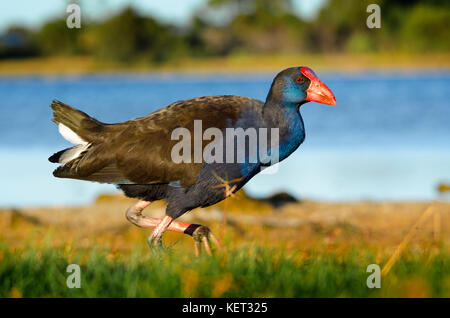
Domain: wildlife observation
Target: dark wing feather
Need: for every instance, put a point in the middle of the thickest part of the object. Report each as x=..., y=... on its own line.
x=141, y=152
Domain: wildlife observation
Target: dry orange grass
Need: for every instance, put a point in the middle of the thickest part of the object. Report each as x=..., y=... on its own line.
x=306, y=249
x=233, y=64
x=306, y=225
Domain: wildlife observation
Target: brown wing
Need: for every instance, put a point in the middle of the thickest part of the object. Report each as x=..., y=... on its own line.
x=141, y=152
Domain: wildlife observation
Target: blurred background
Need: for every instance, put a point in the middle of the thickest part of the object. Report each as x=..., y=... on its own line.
x=388, y=138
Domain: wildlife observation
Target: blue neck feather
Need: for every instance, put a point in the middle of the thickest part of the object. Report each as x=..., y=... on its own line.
x=294, y=131
x=281, y=111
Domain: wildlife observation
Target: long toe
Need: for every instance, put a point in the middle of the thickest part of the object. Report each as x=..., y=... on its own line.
x=203, y=236
x=154, y=242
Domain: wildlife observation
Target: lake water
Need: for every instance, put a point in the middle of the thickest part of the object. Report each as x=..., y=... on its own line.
x=387, y=139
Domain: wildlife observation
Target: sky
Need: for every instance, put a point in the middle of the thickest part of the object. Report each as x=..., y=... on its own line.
x=33, y=13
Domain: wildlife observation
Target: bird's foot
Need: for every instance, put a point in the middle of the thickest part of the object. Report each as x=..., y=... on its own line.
x=154, y=242
x=203, y=235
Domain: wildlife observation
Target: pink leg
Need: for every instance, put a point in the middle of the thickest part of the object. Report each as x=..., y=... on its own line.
x=199, y=232
x=155, y=237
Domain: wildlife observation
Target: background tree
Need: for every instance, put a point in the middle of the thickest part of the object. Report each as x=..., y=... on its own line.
x=225, y=27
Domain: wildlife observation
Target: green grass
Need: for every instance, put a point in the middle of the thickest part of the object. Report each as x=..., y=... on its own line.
x=242, y=272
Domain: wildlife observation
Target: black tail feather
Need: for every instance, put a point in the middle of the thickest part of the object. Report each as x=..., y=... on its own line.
x=55, y=157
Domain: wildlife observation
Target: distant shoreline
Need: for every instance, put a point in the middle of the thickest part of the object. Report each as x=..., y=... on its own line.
x=232, y=64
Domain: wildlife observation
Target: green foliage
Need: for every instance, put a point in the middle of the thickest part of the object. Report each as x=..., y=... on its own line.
x=427, y=28
x=341, y=25
x=224, y=27
x=56, y=39
x=243, y=272
x=405, y=25
x=128, y=36
x=360, y=43
x=254, y=27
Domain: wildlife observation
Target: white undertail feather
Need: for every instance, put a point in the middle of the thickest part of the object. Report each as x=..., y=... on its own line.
x=72, y=153
x=80, y=144
x=70, y=136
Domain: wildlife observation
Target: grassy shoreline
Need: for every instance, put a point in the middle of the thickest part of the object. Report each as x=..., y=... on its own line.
x=232, y=64
x=243, y=272
x=308, y=249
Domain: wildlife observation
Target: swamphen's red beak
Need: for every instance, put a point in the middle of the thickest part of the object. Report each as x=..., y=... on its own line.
x=317, y=91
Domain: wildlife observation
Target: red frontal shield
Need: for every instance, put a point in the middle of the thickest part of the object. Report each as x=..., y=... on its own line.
x=317, y=91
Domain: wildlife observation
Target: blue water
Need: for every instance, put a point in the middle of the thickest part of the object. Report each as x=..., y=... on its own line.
x=387, y=139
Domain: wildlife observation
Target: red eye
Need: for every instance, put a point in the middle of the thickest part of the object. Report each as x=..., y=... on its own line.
x=299, y=80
